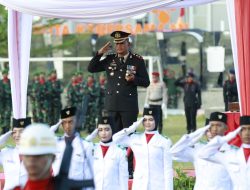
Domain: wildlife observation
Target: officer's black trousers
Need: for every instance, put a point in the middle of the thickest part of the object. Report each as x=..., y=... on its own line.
x=123, y=119
x=190, y=112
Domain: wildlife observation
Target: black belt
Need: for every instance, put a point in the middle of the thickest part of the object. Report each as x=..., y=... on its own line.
x=156, y=100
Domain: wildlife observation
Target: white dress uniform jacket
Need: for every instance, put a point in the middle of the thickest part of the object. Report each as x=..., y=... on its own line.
x=110, y=172
x=81, y=161
x=14, y=170
x=153, y=170
x=233, y=160
x=209, y=176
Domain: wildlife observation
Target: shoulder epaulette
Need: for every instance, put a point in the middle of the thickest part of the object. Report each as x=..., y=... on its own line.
x=121, y=147
x=136, y=133
x=166, y=137
x=60, y=138
x=234, y=147
x=10, y=146
x=203, y=142
x=138, y=56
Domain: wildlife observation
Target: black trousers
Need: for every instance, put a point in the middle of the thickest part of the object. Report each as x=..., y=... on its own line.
x=190, y=112
x=123, y=119
x=158, y=115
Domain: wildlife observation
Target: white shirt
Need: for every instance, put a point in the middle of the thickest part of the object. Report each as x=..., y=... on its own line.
x=110, y=172
x=81, y=161
x=14, y=170
x=209, y=176
x=233, y=160
x=153, y=170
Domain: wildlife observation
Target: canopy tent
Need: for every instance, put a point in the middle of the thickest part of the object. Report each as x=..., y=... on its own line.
x=94, y=11
x=104, y=11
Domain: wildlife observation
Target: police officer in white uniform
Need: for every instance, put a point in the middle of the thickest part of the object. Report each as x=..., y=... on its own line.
x=14, y=171
x=81, y=162
x=110, y=161
x=153, y=169
x=235, y=160
x=156, y=97
x=209, y=176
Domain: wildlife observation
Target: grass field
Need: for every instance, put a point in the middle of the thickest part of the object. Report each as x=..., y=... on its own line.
x=174, y=128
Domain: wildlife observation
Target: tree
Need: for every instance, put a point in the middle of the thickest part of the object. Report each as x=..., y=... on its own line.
x=3, y=32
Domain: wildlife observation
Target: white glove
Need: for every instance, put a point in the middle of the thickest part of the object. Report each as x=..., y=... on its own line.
x=55, y=127
x=146, y=105
x=91, y=136
x=198, y=132
x=230, y=135
x=4, y=137
x=164, y=110
x=134, y=126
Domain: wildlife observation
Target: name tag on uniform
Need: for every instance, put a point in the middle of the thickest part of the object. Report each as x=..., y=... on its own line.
x=137, y=144
x=79, y=155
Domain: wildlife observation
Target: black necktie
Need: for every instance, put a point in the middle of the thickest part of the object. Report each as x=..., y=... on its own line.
x=69, y=139
x=122, y=59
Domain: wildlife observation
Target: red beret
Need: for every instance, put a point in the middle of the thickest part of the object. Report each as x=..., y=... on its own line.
x=155, y=74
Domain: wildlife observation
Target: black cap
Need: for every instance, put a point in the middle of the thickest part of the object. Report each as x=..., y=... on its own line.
x=119, y=36
x=68, y=112
x=232, y=71
x=21, y=123
x=152, y=112
x=190, y=75
x=206, y=121
x=218, y=116
x=149, y=111
x=245, y=120
x=106, y=121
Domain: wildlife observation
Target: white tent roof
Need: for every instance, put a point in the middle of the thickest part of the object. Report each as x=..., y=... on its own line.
x=94, y=11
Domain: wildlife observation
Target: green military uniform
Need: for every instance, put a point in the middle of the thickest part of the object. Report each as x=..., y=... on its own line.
x=74, y=93
x=173, y=91
x=33, y=94
x=42, y=99
x=92, y=93
x=101, y=99
x=54, y=90
x=6, y=102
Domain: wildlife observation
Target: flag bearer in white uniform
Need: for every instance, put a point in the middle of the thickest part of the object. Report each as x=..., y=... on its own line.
x=153, y=169
x=209, y=176
x=81, y=161
x=235, y=160
x=14, y=171
x=110, y=160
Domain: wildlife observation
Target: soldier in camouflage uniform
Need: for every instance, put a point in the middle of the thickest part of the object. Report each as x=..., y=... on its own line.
x=54, y=89
x=42, y=99
x=173, y=91
x=82, y=88
x=101, y=99
x=32, y=93
x=74, y=98
x=92, y=111
x=6, y=102
x=1, y=103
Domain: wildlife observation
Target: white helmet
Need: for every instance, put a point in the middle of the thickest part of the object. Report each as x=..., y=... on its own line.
x=37, y=139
